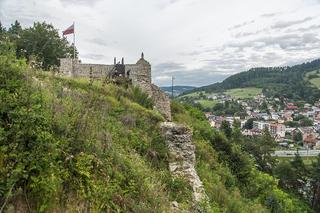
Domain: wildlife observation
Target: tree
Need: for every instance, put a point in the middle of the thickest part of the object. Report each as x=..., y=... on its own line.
x=218, y=107
x=306, y=122
x=266, y=146
x=2, y=28
x=3, y=31
x=236, y=132
x=236, y=124
x=298, y=117
x=264, y=107
x=240, y=163
x=261, y=148
x=42, y=42
x=273, y=204
x=226, y=129
x=15, y=29
x=285, y=173
x=301, y=173
x=297, y=136
x=249, y=123
x=293, y=175
x=292, y=124
x=315, y=183
x=25, y=135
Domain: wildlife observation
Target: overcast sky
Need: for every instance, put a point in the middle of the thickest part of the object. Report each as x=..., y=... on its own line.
x=197, y=41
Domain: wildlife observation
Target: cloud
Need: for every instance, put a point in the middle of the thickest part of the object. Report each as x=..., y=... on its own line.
x=93, y=56
x=285, y=24
x=305, y=29
x=196, y=41
x=270, y=15
x=245, y=34
x=98, y=41
x=195, y=77
x=285, y=42
x=89, y=3
x=164, y=4
x=169, y=67
x=241, y=25
x=191, y=53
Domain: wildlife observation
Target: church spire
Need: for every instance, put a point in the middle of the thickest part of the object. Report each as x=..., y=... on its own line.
x=142, y=55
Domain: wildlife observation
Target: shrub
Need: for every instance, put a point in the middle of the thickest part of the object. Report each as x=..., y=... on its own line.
x=141, y=98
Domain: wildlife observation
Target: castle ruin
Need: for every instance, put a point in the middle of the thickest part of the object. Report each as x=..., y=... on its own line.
x=178, y=137
x=139, y=74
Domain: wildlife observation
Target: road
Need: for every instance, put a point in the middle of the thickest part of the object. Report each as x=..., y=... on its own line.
x=302, y=153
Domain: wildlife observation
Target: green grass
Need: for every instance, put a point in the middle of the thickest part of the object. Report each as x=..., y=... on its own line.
x=208, y=103
x=238, y=93
x=194, y=94
x=307, y=160
x=197, y=94
x=244, y=93
x=314, y=72
x=315, y=82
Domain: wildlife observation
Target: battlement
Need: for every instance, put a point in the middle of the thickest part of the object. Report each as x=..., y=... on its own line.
x=138, y=73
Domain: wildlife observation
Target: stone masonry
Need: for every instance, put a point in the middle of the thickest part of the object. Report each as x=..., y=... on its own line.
x=139, y=74
x=182, y=156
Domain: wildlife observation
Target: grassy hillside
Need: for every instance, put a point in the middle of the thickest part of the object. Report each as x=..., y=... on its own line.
x=244, y=93
x=314, y=78
x=72, y=145
x=207, y=103
x=289, y=82
x=204, y=99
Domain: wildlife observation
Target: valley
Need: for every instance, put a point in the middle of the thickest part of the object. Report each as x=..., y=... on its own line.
x=103, y=108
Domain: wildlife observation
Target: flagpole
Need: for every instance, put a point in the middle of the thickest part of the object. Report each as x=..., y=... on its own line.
x=74, y=42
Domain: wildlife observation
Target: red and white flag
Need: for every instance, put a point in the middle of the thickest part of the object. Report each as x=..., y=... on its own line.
x=69, y=30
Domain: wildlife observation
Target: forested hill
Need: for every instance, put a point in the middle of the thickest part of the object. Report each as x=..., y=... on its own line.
x=288, y=81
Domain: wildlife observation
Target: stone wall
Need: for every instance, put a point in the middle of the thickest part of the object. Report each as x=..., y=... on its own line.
x=66, y=67
x=162, y=101
x=139, y=73
x=74, y=68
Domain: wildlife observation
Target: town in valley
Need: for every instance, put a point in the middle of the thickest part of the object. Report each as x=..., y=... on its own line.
x=293, y=125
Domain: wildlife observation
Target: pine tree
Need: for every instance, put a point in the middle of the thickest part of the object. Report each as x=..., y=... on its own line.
x=2, y=28
x=226, y=129
x=15, y=29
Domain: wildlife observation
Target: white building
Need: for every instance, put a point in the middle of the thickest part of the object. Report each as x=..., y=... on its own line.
x=261, y=125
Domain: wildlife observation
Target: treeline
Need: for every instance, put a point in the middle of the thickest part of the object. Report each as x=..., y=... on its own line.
x=280, y=82
x=247, y=166
x=229, y=108
x=296, y=178
x=40, y=44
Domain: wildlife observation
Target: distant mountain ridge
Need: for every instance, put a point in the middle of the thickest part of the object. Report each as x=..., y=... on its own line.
x=289, y=81
x=177, y=90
